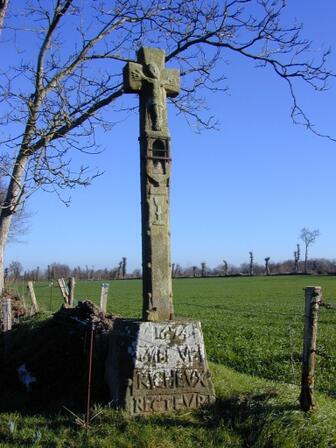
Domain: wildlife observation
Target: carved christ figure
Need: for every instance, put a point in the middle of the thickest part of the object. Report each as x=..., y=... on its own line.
x=157, y=96
x=155, y=82
x=155, y=90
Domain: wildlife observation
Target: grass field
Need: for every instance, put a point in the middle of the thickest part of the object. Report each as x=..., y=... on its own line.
x=253, y=331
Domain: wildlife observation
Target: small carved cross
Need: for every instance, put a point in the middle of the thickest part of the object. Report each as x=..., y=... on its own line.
x=158, y=210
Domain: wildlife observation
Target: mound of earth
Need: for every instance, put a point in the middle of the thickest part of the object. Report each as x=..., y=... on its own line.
x=46, y=363
x=88, y=314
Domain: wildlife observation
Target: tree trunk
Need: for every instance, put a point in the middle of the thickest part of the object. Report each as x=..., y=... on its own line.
x=4, y=231
x=306, y=260
x=3, y=8
x=9, y=207
x=2, y=273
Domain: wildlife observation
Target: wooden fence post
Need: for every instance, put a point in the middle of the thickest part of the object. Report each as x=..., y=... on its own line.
x=64, y=290
x=30, y=287
x=313, y=299
x=103, y=296
x=7, y=314
x=71, y=289
x=7, y=324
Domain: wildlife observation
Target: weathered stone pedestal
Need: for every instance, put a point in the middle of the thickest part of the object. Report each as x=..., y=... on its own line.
x=158, y=367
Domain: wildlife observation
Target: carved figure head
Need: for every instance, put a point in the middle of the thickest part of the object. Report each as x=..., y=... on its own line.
x=153, y=70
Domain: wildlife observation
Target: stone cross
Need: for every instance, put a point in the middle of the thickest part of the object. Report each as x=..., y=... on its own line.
x=149, y=78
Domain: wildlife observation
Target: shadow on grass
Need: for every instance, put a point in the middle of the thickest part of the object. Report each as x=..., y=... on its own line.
x=243, y=414
x=238, y=408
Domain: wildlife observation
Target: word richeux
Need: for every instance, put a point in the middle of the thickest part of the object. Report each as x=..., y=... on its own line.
x=148, y=380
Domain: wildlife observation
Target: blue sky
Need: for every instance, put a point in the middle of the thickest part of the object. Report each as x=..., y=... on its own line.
x=252, y=185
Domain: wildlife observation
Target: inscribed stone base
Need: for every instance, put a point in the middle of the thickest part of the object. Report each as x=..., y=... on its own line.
x=158, y=366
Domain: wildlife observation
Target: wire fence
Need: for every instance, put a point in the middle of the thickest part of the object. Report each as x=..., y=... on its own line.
x=269, y=341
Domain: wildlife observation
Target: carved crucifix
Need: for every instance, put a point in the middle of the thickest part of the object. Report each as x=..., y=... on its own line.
x=153, y=82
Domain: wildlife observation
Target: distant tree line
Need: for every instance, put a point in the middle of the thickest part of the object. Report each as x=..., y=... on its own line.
x=54, y=271
x=294, y=266
x=313, y=266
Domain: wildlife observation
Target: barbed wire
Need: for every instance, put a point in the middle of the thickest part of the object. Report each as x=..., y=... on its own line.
x=50, y=285
x=323, y=354
x=251, y=313
x=291, y=335
x=295, y=317
x=328, y=306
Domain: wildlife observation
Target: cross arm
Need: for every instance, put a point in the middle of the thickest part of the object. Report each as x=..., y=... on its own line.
x=171, y=82
x=133, y=76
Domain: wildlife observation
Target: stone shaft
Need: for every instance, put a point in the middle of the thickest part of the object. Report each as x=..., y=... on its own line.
x=153, y=82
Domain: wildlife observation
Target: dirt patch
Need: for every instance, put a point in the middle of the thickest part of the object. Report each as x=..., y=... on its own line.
x=54, y=353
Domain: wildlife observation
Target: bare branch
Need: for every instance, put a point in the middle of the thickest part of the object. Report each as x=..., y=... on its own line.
x=3, y=9
x=55, y=95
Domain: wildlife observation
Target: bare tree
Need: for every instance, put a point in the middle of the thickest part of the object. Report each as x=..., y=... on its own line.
x=225, y=268
x=297, y=255
x=136, y=273
x=296, y=267
x=15, y=270
x=251, y=272
x=20, y=220
x=57, y=270
x=124, y=267
x=308, y=237
x=298, y=252
x=119, y=270
x=54, y=96
x=177, y=270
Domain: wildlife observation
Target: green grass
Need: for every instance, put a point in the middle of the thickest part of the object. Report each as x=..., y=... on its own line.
x=253, y=331
x=253, y=325
x=249, y=412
